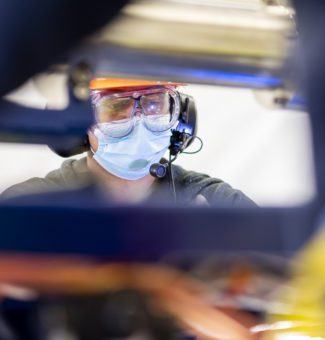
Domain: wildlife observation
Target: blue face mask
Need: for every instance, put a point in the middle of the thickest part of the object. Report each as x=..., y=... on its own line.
x=130, y=157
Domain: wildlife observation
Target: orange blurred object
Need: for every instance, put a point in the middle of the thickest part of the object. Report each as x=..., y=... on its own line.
x=112, y=83
x=170, y=290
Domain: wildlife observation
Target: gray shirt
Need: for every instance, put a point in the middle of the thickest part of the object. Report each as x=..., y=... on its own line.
x=74, y=174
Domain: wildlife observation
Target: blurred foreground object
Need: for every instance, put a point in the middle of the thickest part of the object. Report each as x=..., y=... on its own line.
x=168, y=291
x=41, y=32
x=241, y=43
x=31, y=40
x=234, y=43
x=302, y=313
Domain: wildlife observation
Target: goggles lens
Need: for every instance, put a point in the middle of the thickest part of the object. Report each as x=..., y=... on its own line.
x=117, y=114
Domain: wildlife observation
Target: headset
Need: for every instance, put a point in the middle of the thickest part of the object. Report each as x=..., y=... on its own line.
x=185, y=132
x=182, y=136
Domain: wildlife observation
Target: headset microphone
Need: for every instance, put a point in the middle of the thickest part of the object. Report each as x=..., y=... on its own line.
x=158, y=170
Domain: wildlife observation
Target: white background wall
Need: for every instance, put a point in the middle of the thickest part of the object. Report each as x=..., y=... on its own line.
x=265, y=153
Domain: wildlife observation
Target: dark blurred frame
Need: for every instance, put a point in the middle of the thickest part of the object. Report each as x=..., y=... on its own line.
x=145, y=233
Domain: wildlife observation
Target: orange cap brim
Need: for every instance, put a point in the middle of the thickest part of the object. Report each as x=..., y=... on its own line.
x=111, y=83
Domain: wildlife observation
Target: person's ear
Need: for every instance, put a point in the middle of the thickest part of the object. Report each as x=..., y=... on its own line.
x=93, y=141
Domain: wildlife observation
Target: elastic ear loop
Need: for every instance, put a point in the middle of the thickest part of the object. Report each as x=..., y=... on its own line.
x=92, y=150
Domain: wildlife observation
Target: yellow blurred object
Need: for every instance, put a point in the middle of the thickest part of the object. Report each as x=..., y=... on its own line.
x=303, y=301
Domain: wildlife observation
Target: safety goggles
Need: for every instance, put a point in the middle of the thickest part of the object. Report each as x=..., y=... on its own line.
x=116, y=114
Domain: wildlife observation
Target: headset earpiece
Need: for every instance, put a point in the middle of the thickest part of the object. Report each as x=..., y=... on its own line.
x=185, y=131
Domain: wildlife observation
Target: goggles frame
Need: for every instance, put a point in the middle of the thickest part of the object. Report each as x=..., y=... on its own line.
x=97, y=96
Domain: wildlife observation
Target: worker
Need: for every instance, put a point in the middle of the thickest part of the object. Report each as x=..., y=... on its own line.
x=136, y=123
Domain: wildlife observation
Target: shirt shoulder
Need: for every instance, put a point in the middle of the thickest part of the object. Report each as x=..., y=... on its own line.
x=67, y=176
x=191, y=184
